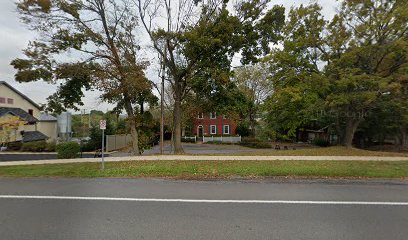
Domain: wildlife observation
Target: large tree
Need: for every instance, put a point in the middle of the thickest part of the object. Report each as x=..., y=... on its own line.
x=367, y=53
x=298, y=85
x=199, y=38
x=86, y=44
x=345, y=66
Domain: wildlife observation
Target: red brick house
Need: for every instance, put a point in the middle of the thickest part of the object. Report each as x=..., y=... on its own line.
x=211, y=124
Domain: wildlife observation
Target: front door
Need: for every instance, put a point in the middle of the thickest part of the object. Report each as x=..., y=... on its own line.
x=200, y=131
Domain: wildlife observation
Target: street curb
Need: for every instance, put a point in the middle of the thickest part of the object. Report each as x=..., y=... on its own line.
x=205, y=158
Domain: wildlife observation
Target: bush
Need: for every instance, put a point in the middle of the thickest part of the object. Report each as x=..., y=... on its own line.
x=321, y=142
x=214, y=142
x=37, y=146
x=14, y=146
x=243, y=130
x=68, y=150
x=88, y=146
x=188, y=140
x=50, y=147
x=254, y=143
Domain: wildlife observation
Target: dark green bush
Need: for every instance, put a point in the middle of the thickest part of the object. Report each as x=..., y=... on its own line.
x=216, y=142
x=50, y=147
x=14, y=146
x=88, y=146
x=243, y=130
x=254, y=143
x=37, y=146
x=188, y=140
x=321, y=142
x=68, y=150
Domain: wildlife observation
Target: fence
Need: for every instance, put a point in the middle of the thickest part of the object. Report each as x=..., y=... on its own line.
x=222, y=139
x=115, y=142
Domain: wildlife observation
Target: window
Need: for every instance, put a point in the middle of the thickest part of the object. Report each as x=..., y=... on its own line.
x=200, y=116
x=2, y=100
x=213, y=115
x=31, y=112
x=10, y=101
x=213, y=129
x=226, y=129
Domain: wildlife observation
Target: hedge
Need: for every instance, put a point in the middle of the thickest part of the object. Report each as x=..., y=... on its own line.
x=68, y=150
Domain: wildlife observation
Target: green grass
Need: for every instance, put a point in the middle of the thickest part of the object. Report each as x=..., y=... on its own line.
x=215, y=169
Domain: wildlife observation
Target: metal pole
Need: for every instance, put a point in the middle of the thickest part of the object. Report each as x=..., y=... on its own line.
x=162, y=103
x=103, y=144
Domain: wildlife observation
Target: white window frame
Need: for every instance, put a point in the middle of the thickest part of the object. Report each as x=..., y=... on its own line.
x=224, y=128
x=211, y=129
x=213, y=115
x=200, y=116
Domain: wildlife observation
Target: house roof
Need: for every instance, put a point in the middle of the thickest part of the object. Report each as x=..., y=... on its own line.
x=33, y=136
x=18, y=112
x=19, y=93
x=45, y=117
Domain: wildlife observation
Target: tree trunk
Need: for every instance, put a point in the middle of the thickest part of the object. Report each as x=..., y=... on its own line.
x=178, y=149
x=252, y=122
x=348, y=132
x=404, y=136
x=134, y=150
x=135, y=140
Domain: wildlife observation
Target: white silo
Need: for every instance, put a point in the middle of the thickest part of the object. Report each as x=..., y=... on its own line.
x=65, y=126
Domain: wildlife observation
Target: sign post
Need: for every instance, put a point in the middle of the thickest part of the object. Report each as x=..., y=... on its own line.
x=102, y=126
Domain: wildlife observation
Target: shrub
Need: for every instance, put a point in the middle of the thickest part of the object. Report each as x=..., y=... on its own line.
x=243, y=130
x=145, y=141
x=254, y=143
x=88, y=146
x=50, y=147
x=215, y=142
x=188, y=140
x=68, y=150
x=37, y=146
x=321, y=142
x=14, y=146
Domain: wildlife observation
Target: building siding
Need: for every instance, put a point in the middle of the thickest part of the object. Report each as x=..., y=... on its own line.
x=19, y=101
x=219, y=122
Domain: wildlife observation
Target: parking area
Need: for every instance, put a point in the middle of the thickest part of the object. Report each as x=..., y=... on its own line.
x=199, y=148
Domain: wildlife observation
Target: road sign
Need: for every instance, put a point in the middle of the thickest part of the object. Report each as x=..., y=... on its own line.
x=102, y=124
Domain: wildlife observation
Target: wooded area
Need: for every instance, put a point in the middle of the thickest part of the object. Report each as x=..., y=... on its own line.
x=347, y=75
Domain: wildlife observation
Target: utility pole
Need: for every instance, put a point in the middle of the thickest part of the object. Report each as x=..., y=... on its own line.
x=162, y=102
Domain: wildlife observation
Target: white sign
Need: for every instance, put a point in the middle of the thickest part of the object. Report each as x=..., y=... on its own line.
x=102, y=124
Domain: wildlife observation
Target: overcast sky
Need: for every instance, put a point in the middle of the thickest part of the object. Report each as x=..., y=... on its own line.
x=14, y=37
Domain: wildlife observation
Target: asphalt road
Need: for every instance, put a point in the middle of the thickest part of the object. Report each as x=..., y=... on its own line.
x=142, y=209
x=11, y=157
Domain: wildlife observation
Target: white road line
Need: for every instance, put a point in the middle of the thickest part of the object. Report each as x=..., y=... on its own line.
x=203, y=200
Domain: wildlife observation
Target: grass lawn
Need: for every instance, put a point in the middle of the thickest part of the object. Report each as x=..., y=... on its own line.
x=326, y=151
x=215, y=169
